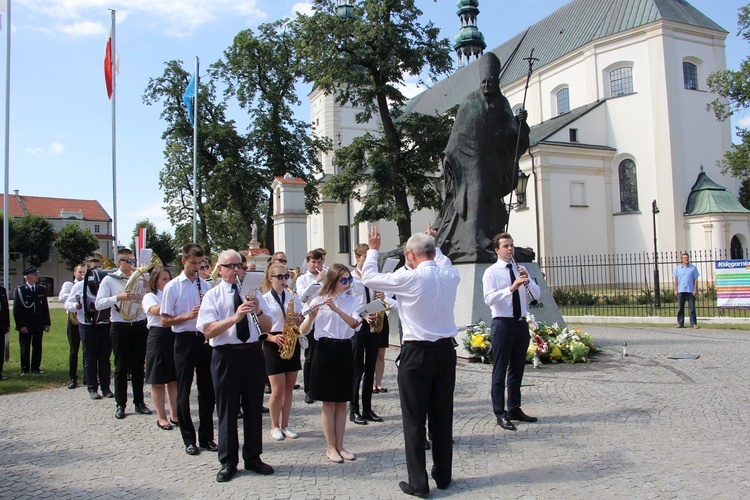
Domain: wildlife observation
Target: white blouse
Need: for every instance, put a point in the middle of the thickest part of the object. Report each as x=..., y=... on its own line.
x=329, y=324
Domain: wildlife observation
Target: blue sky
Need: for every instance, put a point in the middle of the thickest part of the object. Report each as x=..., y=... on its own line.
x=60, y=131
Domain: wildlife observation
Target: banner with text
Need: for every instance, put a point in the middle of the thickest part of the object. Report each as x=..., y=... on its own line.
x=733, y=284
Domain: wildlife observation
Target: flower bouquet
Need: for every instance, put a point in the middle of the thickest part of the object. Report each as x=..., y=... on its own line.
x=477, y=342
x=552, y=343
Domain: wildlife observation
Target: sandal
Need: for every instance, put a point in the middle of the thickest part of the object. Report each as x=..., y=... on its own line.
x=382, y=389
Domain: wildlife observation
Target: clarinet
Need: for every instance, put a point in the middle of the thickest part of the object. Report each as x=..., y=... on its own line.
x=532, y=301
x=254, y=317
x=198, y=284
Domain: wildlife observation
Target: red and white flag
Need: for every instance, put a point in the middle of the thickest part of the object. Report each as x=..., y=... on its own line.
x=141, y=242
x=108, y=66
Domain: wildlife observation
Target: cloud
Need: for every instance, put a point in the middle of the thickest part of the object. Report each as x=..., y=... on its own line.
x=411, y=86
x=56, y=148
x=302, y=8
x=155, y=213
x=744, y=122
x=175, y=17
x=33, y=151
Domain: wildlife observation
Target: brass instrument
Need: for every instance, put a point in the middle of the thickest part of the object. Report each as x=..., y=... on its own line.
x=291, y=331
x=377, y=325
x=137, y=284
x=532, y=301
x=214, y=278
x=106, y=263
x=72, y=316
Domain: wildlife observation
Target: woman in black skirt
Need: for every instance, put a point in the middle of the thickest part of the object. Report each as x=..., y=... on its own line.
x=160, y=372
x=282, y=373
x=332, y=368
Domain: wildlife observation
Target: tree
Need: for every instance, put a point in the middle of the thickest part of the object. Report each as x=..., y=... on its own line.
x=162, y=244
x=362, y=58
x=228, y=189
x=75, y=244
x=33, y=240
x=733, y=87
x=261, y=71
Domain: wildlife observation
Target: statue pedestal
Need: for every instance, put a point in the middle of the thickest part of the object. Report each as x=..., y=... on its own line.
x=470, y=307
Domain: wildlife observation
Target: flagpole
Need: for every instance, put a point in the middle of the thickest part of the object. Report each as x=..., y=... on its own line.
x=195, y=153
x=6, y=221
x=113, y=55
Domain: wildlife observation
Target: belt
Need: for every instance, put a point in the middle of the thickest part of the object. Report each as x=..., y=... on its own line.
x=335, y=341
x=426, y=343
x=504, y=318
x=237, y=347
x=190, y=332
x=130, y=323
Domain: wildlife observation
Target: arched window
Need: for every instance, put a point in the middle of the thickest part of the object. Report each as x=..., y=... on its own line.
x=621, y=81
x=735, y=248
x=628, y=186
x=690, y=75
x=563, y=101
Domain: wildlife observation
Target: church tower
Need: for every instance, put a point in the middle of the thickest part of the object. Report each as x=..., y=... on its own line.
x=469, y=41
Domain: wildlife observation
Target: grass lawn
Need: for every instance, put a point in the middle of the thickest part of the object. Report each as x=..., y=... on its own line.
x=54, y=359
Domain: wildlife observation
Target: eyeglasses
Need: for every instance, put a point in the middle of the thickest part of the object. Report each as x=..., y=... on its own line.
x=281, y=276
x=244, y=267
x=205, y=268
x=129, y=261
x=347, y=281
x=231, y=266
x=283, y=261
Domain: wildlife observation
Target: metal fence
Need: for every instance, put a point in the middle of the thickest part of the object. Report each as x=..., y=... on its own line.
x=623, y=284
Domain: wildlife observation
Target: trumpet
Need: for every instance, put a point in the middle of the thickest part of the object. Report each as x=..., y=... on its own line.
x=532, y=301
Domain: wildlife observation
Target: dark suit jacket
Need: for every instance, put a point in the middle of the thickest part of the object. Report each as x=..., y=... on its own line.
x=31, y=310
x=4, y=311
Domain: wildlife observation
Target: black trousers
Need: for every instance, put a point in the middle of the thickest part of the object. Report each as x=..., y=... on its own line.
x=426, y=381
x=97, y=349
x=311, y=343
x=193, y=354
x=365, y=345
x=239, y=376
x=129, y=346
x=2, y=352
x=31, y=349
x=510, y=341
x=74, y=344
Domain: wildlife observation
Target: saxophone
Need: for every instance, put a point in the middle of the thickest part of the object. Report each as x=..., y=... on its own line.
x=377, y=325
x=291, y=330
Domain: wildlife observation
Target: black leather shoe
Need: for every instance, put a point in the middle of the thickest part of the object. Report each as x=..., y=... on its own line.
x=210, y=446
x=174, y=422
x=406, y=488
x=142, y=409
x=266, y=409
x=520, y=416
x=506, y=424
x=191, y=449
x=95, y=395
x=308, y=399
x=259, y=467
x=108, y=394
x=226, y=473
x=73, y=384
x=297, y=386
x=120, y=412
x=441, y=484
x=371, y=416
x=167, y=427
x=357, y=419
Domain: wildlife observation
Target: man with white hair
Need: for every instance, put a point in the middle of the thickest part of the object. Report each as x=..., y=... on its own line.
x=427, y=370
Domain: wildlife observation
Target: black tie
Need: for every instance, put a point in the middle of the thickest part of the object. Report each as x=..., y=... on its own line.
x=243, y=327
x=516, y=295
x=279, y=300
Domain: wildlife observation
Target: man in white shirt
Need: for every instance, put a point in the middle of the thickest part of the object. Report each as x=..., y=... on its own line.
x=502, y=284
x=237, y=367
x=427, y=370
x=180, y=304
x=128, y=336
x=74, y=337
x=313, y=276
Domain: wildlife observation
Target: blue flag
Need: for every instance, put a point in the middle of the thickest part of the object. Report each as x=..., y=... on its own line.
x=187, y=98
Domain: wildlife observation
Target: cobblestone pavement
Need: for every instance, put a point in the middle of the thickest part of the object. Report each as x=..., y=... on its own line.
x=643, y=426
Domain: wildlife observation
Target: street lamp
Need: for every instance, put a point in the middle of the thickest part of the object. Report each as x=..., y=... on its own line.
x=657, y=298
x=523, y=181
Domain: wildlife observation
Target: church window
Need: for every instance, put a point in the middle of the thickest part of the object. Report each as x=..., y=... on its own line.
x=621, y=81
x=563, y=101
x=628, y=186
x=690, y=75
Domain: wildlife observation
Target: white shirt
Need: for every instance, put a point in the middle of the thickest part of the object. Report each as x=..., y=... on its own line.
x=150, y=300
x=180, y=297
x=329, y=324
x=497, y=295
x=218, y=304
x=275, y=311
x=358, y=288
x=109, y=288
x=70, y=302
x=426, y=295
x=304, y=282
x=65, y=291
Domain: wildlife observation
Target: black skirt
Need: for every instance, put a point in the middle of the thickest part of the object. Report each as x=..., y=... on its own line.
x=160, y=356
x=385, y=333
x=276, y=365
x=332, y=371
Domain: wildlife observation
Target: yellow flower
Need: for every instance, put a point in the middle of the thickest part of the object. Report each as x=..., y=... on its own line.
x=477, y=341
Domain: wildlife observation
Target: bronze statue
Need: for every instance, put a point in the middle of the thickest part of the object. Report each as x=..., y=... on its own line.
x=481, y=167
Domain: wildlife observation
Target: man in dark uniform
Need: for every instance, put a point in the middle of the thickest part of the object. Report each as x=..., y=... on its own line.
x=4, y=326
x=31, y=314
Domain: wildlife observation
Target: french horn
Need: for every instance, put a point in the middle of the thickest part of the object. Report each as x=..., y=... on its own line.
x=137, y=284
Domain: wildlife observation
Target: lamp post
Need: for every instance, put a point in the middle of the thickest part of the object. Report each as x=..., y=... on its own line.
x=657, y=298
x=523, y=181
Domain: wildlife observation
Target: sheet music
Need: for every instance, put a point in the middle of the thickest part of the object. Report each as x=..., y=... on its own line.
x=251, y=283
x=389, y=265
x=311, y=292
x=371, y=308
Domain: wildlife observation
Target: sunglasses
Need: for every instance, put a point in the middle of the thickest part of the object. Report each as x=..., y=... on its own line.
x=232, y=266
x=205, y=268
x=281, y=276
x=347, y=281
x=283, y=261
x=129, y=261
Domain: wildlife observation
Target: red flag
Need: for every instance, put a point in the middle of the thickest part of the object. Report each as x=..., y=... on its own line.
x=141, y=240
x=108, y=64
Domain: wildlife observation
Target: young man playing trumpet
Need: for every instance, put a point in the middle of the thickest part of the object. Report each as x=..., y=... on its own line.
x=502, y=283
